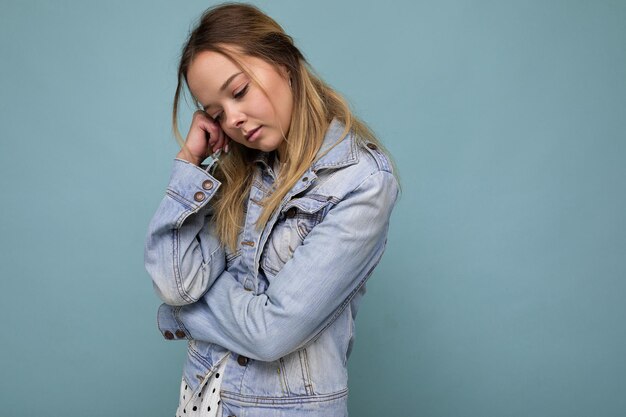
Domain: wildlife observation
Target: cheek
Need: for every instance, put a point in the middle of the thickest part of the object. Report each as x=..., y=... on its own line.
x=284, y=100
x=262, y=104
x=233, y=136
x=286, y=108
x=280, y=106
x=231, y=133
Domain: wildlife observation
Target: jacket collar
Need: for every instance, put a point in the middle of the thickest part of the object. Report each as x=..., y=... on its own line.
x=342, y=154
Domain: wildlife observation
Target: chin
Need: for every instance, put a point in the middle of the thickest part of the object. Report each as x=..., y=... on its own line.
x=269, y=146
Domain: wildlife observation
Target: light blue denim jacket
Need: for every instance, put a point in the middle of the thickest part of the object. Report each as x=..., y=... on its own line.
x=284, y=303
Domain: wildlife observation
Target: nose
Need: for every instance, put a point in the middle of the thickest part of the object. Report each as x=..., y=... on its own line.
x=236, y=118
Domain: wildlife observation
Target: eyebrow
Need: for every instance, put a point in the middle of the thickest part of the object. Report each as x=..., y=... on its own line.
x=225, y=85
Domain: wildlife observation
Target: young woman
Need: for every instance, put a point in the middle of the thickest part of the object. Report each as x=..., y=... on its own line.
x=261, y=257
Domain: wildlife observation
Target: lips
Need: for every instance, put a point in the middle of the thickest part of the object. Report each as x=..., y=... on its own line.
x=250, y=134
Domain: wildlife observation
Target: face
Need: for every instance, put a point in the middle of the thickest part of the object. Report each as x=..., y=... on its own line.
x=231, y=98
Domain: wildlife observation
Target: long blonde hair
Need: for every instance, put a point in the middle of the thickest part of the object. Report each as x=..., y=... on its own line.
x=252, y=32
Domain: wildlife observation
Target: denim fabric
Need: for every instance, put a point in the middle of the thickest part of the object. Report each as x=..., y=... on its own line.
x=285, y=301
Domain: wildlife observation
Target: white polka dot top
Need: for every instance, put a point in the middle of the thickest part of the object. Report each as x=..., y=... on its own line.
x=205, y=401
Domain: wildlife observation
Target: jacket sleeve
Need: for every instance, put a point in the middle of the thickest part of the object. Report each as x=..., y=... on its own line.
x=182, y=253
x=308, y=293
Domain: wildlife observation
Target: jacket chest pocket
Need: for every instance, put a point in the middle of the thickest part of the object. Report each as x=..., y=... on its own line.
x=296, y=219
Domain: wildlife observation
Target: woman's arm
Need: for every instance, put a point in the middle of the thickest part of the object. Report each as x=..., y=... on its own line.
x=308, y=293
x=182, y=254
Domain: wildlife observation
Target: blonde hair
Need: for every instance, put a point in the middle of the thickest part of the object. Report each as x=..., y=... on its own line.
x=253, y=33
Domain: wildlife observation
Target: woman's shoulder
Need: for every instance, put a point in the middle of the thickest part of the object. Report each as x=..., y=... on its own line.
x=341, y=149
x=372, y=157
x=351, y=162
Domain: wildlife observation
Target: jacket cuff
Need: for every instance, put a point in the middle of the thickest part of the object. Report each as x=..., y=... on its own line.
x=191, y=185
x=169, y=326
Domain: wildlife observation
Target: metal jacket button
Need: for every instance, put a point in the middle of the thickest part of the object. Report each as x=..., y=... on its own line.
x=248, y=243
x=168, y=335
x=291, y=212
x=372, y=146
x=242, y=360
x=199, y=196
x=207, y=184
x=180, y=334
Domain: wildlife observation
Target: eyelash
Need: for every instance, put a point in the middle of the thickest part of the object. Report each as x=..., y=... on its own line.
x=237, y=96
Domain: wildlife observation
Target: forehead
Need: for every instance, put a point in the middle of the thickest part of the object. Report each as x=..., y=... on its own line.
x=208, y=71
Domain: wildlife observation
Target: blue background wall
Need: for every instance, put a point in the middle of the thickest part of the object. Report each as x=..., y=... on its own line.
x=501, y=292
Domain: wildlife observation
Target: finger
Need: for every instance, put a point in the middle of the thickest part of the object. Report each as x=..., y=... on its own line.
x=212, y=138
x=227, y=141
x=215, y=130
x=201, y=118
x=217, y=136
x=220, y=141
x=210, y=132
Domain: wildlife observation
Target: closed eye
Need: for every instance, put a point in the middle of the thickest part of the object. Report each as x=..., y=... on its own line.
x=237, y=96
x=241, y=92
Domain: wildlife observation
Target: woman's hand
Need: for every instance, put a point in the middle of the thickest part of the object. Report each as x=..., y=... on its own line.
x=205, y=137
